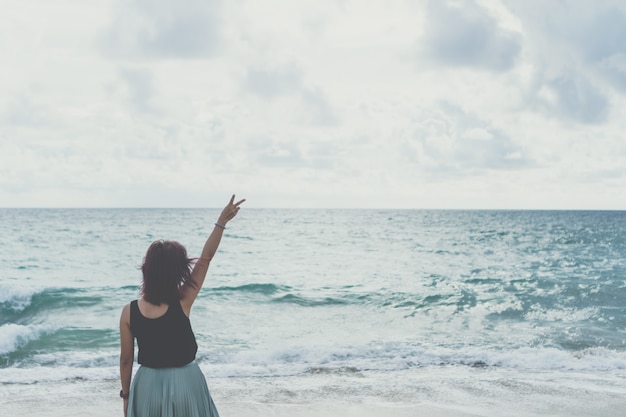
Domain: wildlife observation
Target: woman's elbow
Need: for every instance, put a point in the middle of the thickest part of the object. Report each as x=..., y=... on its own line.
x=126, y=360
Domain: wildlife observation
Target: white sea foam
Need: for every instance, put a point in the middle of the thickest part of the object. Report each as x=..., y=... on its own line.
x=13, y=336
x=294, y=361
x=394, y=357
x=16, y=297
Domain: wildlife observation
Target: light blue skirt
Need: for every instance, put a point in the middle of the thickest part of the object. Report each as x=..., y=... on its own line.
x=170, y=392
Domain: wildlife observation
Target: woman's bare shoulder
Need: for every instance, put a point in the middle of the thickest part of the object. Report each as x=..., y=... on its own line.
x=125, y=316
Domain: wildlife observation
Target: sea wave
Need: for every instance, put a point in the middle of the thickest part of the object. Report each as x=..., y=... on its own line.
x=320, y=297
x=14, y=336
x=309, y=301
x=22, y=304
x=34, y=345
x=273, y=293
x=302, y=360
x=502, y=301
x=396, y=357
x=252, y=288
x=15, y=298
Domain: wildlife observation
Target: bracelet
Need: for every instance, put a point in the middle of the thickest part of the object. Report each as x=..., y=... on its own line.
x=124, y=395
x=220, y=226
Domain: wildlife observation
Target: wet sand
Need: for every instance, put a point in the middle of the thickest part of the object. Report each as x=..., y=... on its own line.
x=434, y=392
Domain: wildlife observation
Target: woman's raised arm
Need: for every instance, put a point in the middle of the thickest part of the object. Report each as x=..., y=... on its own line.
x=190, y=290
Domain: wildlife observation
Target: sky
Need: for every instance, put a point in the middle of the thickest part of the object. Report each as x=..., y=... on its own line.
x=472, y=104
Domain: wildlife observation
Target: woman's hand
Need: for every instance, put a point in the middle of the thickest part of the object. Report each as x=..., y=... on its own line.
x=230, y=211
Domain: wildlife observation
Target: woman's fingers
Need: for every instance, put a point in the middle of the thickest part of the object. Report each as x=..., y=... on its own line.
x=232, y=201
x=232, y=208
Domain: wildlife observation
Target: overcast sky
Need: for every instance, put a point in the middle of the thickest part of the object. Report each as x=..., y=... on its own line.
x=401, y=104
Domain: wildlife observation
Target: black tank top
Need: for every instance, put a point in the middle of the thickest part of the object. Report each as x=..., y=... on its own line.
x=164, y=342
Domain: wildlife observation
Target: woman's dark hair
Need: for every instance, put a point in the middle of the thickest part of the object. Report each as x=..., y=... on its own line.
x=165, y=269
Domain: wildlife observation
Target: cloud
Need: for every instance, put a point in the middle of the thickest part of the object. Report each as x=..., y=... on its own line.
x=140, y=87
x=25, y=110
x=602, y=42
x=574, y=98
x=517, y=103
x=449, y=141
x=270, y=83
x=318, y=110
x=462, y=34
x=276, y=154
x=311, y=104
x=603, y=33
x=163, y=29
x=576, y=53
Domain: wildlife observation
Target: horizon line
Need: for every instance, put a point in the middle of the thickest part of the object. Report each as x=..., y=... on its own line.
x=299, y=208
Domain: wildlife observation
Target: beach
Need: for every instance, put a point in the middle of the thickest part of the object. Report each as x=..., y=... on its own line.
x=443, y=392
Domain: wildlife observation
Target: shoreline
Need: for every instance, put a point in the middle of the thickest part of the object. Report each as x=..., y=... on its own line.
x=436, y=392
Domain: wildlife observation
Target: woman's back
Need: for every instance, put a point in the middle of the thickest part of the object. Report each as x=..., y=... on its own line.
x=164, y=340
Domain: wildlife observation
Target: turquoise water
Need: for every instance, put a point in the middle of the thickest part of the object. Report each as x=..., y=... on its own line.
x=334, y=292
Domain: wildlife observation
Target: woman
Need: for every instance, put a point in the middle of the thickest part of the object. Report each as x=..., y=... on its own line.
x=169, y=382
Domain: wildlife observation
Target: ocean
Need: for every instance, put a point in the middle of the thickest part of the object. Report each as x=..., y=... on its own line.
x=482, y=313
